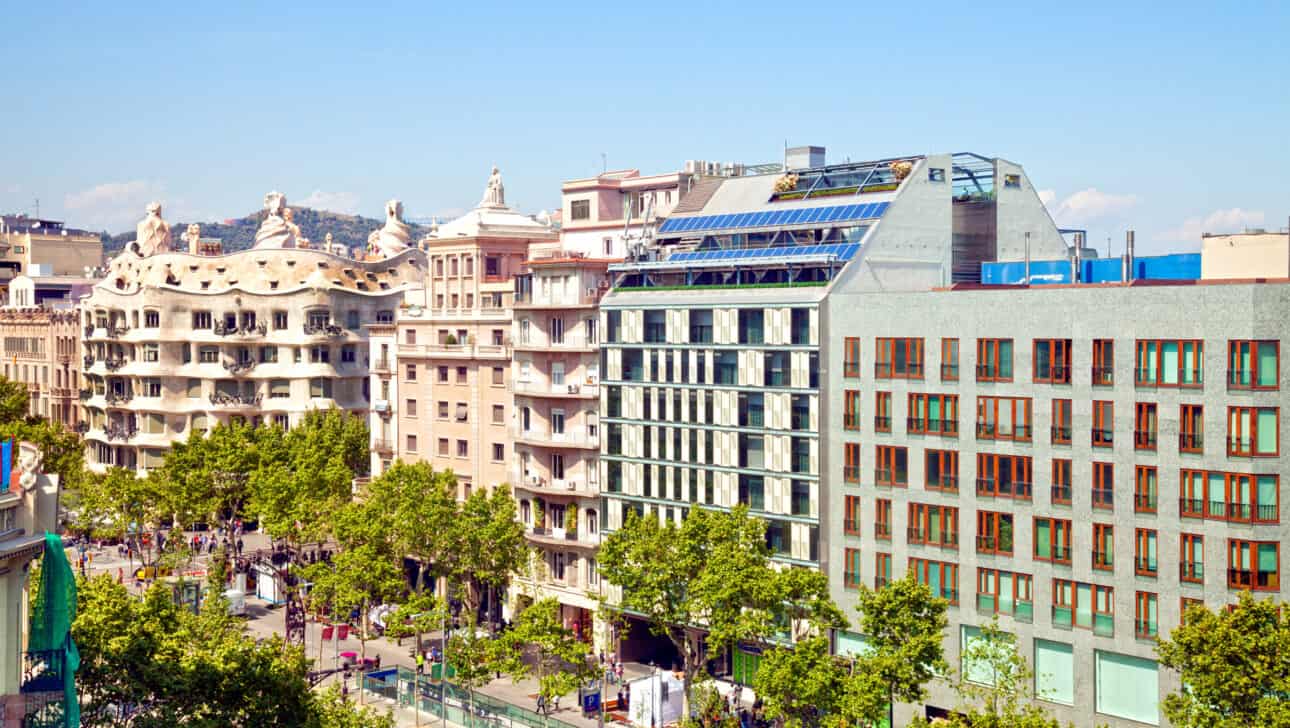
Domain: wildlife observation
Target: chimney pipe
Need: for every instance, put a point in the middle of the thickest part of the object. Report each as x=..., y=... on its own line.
x=1075, y=257
x=1128, y=256
x=1027, y=258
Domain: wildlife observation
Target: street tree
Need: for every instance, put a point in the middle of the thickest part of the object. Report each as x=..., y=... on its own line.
x=1234, y=666
x=358, y=577
x=475, y=656
x=490, y=546
x=151, y=664
x=802, y=685
x=996, y=685
x=305, y=474
x=209, y=474
x=120, y=504
x=708, y=579
x=904, y=624
x=542, y=647
x=423, y=511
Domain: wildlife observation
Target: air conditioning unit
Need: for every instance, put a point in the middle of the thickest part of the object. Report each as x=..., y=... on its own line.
x=381, y=405
x=573, y=389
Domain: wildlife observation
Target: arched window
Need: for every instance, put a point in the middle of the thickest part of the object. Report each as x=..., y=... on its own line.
x=526, y=515
x=593, y=521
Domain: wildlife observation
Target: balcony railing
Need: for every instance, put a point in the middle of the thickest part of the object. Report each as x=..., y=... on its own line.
x=1251, y=579
x=882, y=530
x=237, y=368
x=851, y=473
x=1144, y=503
x=236, y=400
x=1004, y=489
x=115, y=398
x=1103, y=498
x=950, y=372
x=885, y=370
x=919, y=425
x=1061, y=435
x=320, y=329
x=114, y=363
x=1061, y=494
x=1191, y=571
x=1144, y=439
x=850, y=421
x=1101, y=437
x=944, y=539
x=382, y=364
x=1191, y=442
x=1194, y=507
x=994, y=431
x=1059, y=374
x=1145, y=566
x=121, y=432
x=882, y=424
x=943, y=482
x=1103, y=559
x=850, y=368
x=382, y=446
x=1103, y=376
x=851, y=526
x=994, y=545
x=1144, y=629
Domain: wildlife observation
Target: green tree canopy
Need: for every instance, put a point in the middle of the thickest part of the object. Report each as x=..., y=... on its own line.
x=1234, y=666
x=711, y=576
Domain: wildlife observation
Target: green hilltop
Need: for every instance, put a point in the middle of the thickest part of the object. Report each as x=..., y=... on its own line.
x=238, y=234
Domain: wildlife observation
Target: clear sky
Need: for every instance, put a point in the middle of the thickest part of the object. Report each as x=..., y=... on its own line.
x=1169, y=118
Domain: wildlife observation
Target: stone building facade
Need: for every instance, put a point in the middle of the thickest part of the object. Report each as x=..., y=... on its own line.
x=42, y=351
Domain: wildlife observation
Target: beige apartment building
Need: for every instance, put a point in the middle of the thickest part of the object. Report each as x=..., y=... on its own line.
x=1247, y=255
x=443, y=370
x=29, y=244
x=41, y=350
x=556, y=374
x=175, y=342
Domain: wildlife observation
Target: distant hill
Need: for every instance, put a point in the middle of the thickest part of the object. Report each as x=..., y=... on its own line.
x=239, y=234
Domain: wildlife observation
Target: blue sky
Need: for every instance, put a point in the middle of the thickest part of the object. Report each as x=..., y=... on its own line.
x=1171, y=121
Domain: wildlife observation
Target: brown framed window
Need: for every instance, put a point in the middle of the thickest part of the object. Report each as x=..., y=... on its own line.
x=1103, y=423
x=1004, y=476
x=1146, y=617
x=851, y=356
x=1253, y=565
x=942, y=470
x=851, y=515
x=851, y=462
x=941, y=577
x=933, y=414
x=933, y=525
x=994, y=534
x=1220, y=496
x=994, y=360
x=1061, y=491
x=1145, y=556
x=1145, y=489
x=1191, y=561
x=898, y=359
x=1169, y=363
x=882, y=412
x=882, y=519
x=1061, y=430
x=1088, y=606
x=1191, y=428
x=1052, y=540
x=1003, y=418
x=851, y=409
x=1005, y=592
x=949, y=360
x=1103, y=362
x=1254, y=431
x=1052, y=361
x=851, y=568
x=1144, y=426
x=1103, y=546
x=882, y=570
x=1104, y=485
x=1253, y=364
x=891, y=465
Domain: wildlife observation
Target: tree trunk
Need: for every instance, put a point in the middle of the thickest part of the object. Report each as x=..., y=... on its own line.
x=362, y=651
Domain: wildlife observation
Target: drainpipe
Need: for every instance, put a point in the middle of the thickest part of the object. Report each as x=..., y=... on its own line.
x=1128, y=256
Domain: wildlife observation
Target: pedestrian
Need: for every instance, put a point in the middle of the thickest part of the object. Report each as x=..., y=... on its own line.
x=541, y=704
x=239, y=545
x=557, y=704
x=120, y=575
x=421, y=662
x=378, y=662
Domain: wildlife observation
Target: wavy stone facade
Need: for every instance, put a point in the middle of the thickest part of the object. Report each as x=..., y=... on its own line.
x=174, y=342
